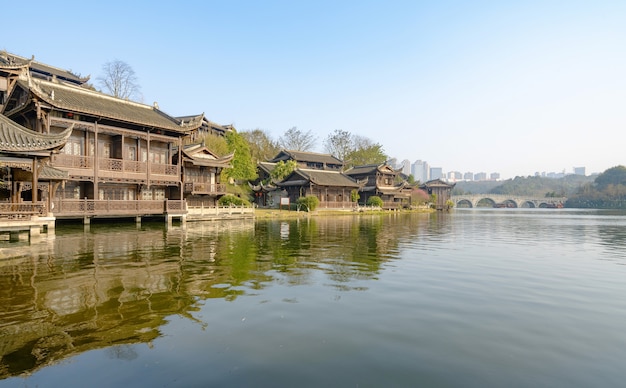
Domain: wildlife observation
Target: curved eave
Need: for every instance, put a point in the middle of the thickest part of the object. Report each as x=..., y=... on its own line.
x=167, y=124
x=16, y=138
x=220, y=162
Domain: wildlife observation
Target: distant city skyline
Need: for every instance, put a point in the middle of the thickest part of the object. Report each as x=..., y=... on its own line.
x=422, y=171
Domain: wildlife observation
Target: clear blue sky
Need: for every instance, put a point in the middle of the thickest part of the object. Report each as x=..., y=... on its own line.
x=507, y=86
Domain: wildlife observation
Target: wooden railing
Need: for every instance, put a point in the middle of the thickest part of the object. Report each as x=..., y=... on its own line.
x=204, y=188
x=164, y=169
x=116, y=165
x=91, y=207
x=72, y=161
x=22, y=211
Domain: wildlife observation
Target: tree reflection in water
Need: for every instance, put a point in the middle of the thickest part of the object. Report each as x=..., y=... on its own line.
x=114, y=285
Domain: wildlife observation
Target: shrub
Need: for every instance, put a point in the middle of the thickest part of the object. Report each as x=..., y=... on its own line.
x=231, y=200
x=374, y=201
x=310, y=202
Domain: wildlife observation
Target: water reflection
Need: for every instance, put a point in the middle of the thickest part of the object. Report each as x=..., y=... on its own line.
x=114, y=285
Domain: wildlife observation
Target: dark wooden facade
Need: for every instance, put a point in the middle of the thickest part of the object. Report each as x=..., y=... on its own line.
x=121, y=158
x=201, y=170
x=442, y=191
x=310, y=160
x=382, y=181
x=332, y=188
x=25, y=177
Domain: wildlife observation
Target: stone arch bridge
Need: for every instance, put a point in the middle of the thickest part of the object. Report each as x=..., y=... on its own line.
x=508, y=201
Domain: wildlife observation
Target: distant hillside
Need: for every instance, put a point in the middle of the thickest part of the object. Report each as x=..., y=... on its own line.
x=481, y=187
x=532, y=186
x=608, y=191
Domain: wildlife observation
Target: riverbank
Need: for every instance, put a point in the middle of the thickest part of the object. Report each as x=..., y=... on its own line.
x=277, y=213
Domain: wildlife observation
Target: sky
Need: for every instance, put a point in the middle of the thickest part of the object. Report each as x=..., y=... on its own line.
x=514, y=87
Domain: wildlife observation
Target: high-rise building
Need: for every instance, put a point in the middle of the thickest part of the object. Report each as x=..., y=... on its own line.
x=420, y=171
x=468, y=176
x=580, y=171
x=406, y=167
x=436, y=173
x=494, y=176
x=454, y=176
x=480, y=176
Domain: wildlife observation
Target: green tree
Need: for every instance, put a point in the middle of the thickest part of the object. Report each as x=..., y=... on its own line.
x=375, y=200
x=366, y=152
x=233, y=200
x=354, y=195
x=613, y=176
x=283, y=169
x=296, y=140
x=242, y=166
x=309, y=203
x=216, y=144
x=262, y=147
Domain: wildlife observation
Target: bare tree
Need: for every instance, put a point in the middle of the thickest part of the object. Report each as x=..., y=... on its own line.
x=261, y=144
x=119, y=80
x=296, y=140
x=339, y=144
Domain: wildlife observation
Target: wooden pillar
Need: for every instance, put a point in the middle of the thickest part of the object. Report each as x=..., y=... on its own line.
x=180, y=166
x=148, y=161
x=96, y=161
x=34, y=182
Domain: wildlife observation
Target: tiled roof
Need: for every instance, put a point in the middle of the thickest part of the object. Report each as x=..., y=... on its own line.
x=437, y=183
x=13, y=61
x=302, y=156
x=267, y=166
x=16, y=138
x=199, y=155
x=319, y=177
x=365, y=169
x=89, y=102
x=50, y=173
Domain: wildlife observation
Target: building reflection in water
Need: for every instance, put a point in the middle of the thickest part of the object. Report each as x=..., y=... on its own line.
x=114, y=285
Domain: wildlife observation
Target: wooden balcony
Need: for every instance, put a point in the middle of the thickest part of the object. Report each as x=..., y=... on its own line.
x=78, y=208
x=72, y=161
x=117, y=168
x=204, y=188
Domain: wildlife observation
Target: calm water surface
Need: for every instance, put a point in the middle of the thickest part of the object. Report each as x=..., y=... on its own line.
x=471, y=298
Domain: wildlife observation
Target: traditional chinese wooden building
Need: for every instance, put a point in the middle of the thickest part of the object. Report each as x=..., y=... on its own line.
x=382, y=181
x=26, y=179
x=316, y=174
x=121, y=158
x=310, y=160
x=201, y=170
x=332, y=188
x=442, y=191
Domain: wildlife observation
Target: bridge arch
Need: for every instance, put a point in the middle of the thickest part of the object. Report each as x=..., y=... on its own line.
x=464, y=203
x=509, y=203
x=485, y=202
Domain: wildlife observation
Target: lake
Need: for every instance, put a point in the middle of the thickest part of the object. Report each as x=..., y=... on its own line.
x=469, y=298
